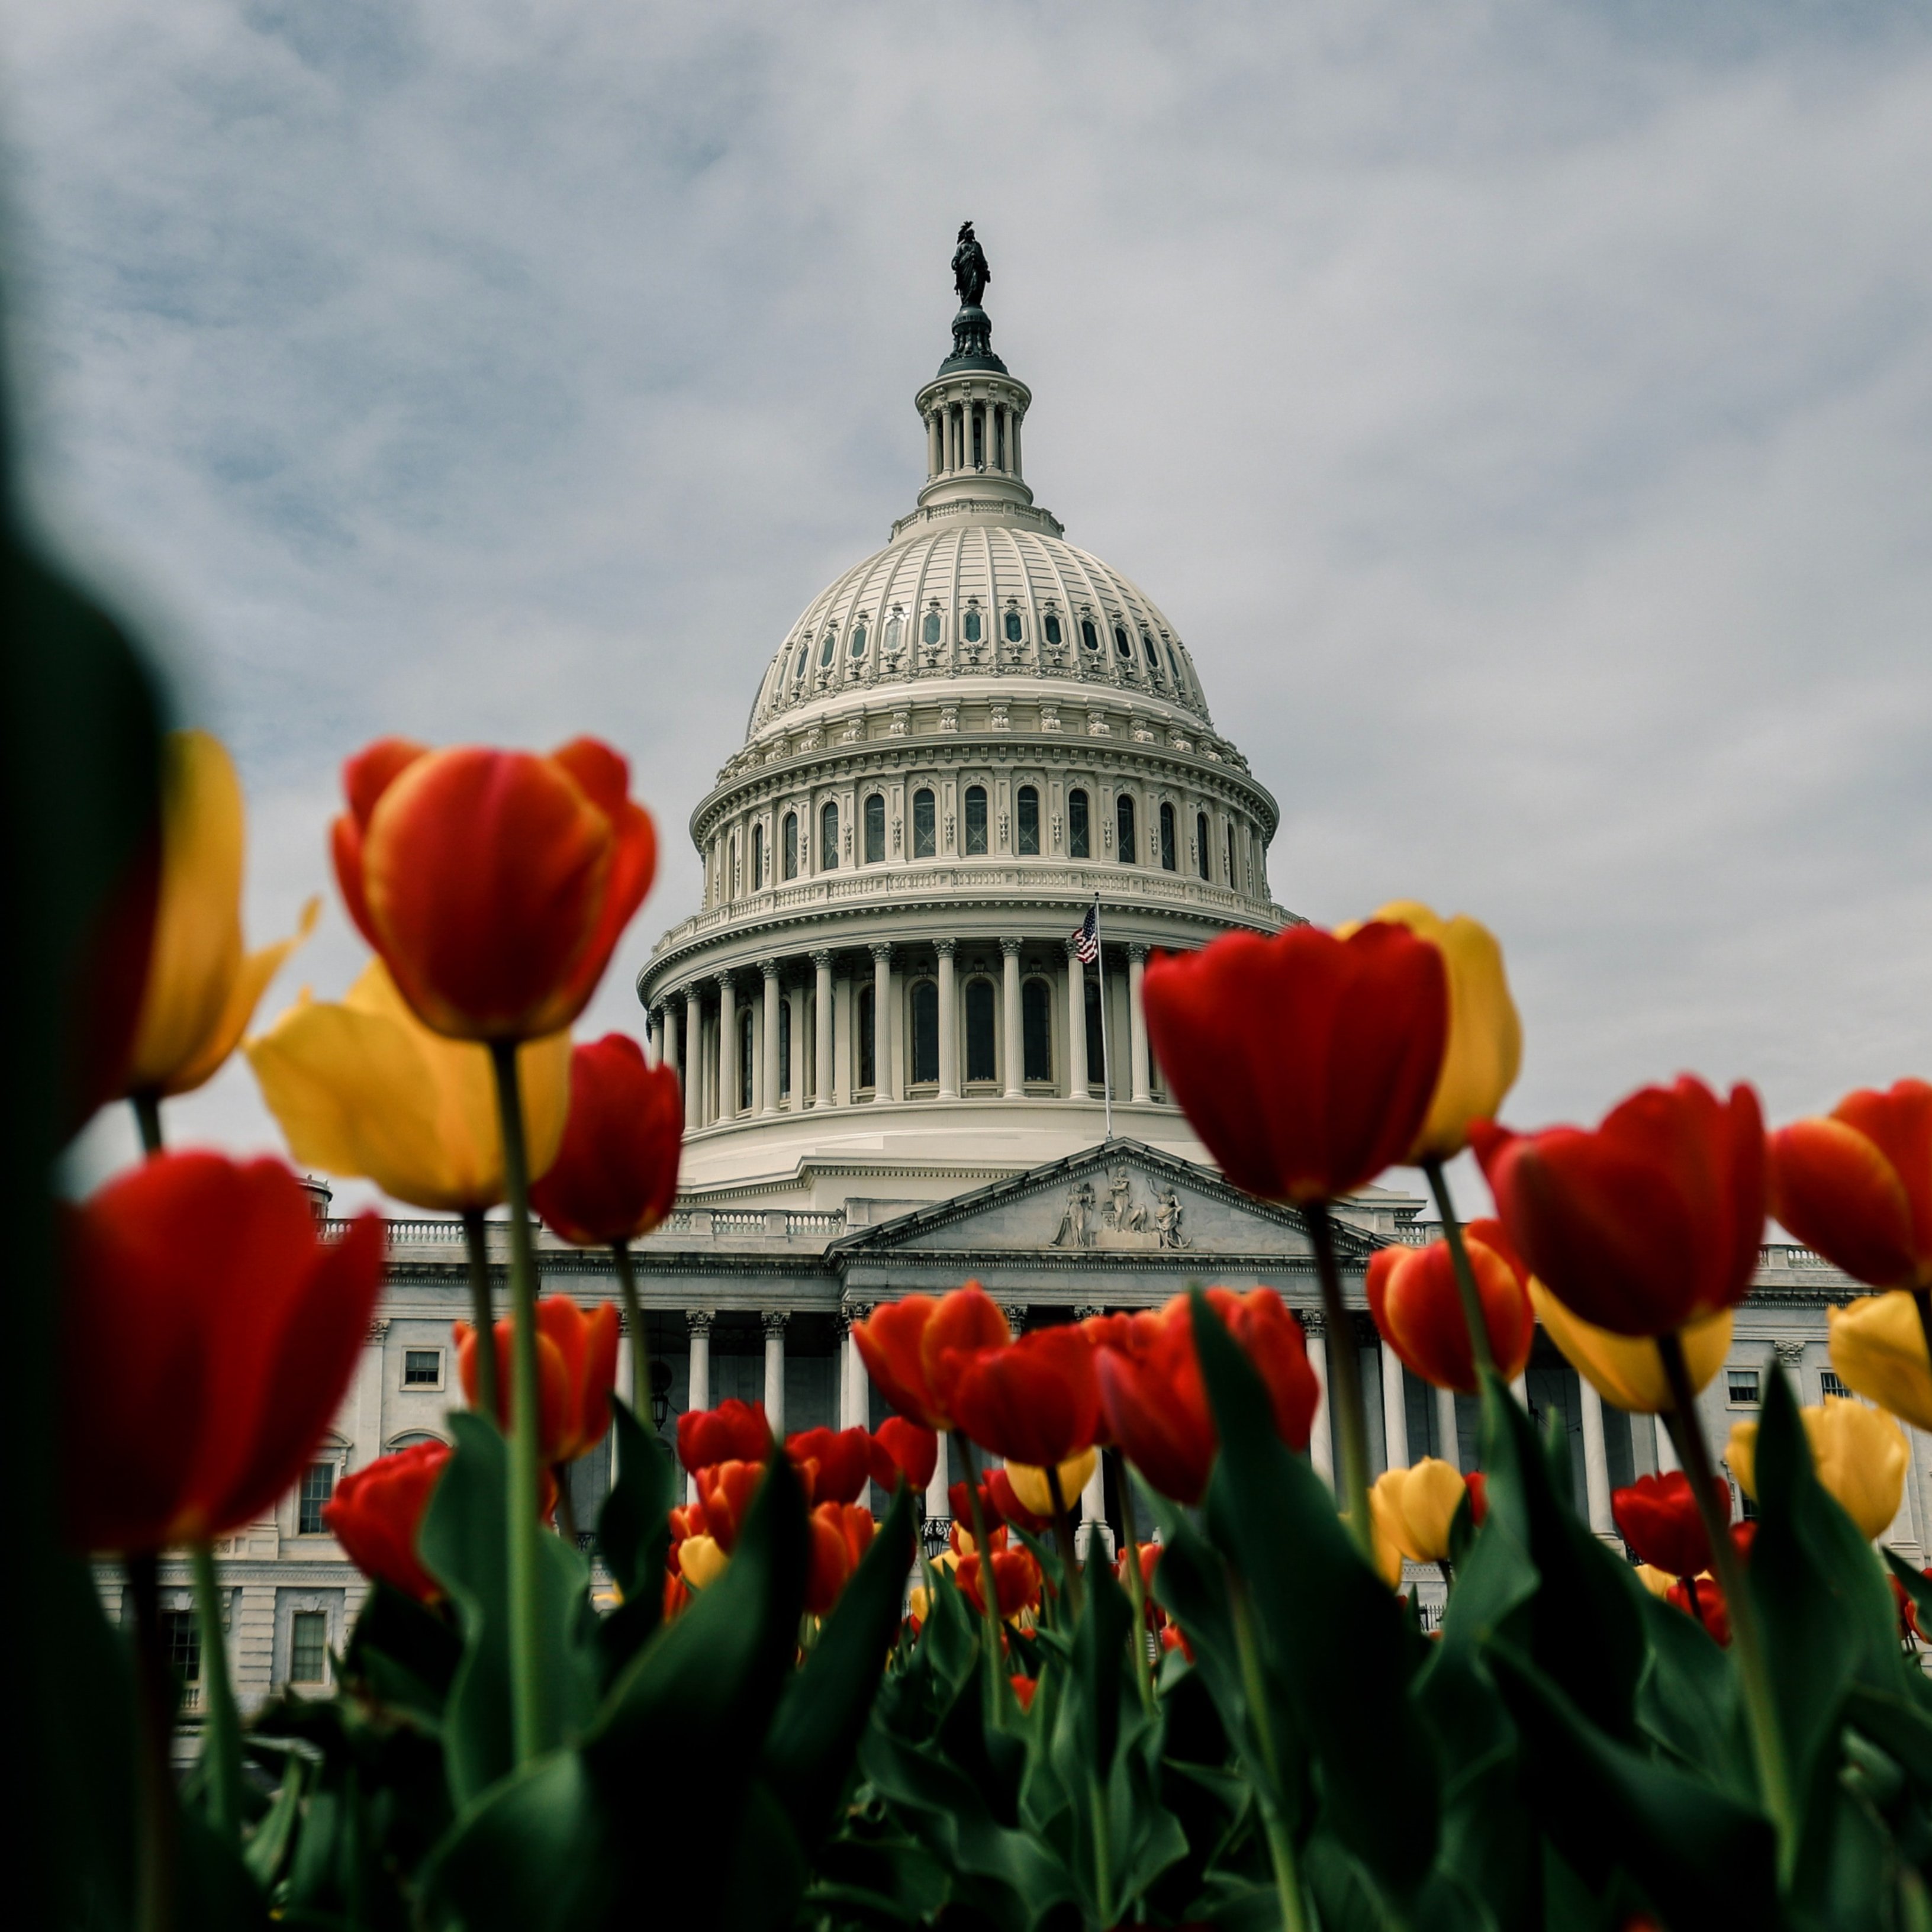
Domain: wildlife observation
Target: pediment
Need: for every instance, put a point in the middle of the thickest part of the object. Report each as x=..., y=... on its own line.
x=1121, y=1199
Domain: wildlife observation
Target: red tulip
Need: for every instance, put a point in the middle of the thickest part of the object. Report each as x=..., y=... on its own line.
x=830, y=1562
x=839, y=1463
x=1659, y=1519
x=1149, y=1553
x=1024, y=1690
x=576, y=1368
x=1307, y=1063
x=686, y=1519
x=1701, y=1597
x=726, y=1490
x=207, y=1337
x=1156, y=1402
x=1477, y=1484
x=907, y=1346
x=1418, y=1307
x=734, y=1431
x=615, y=1176
x=1857, y=1185
x=494, y=884
x=1034, y=1400
x=1649, y=1222
x=376, y=1513
x=903, y=1449
x=1016, y=1582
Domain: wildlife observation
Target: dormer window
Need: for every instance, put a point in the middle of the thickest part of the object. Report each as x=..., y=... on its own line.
x=857, y=645
x=1052, y=627
x=1089, y=636
x=826, y=649
x=930, y=631
x=894, y=630
x=1122, y=648
x=972, y=627
x=804, y=658
x=1012, y=627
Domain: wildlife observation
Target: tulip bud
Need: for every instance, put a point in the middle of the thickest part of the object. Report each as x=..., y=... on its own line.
x=701, y=1560
x=1860, y=1455
x=1031, y=1486
x=1410, y=1510
x=1878, y=1349
x=1659, y=1519
x=376, y=1514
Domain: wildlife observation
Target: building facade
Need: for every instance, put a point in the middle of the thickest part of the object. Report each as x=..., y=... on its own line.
x=899, y=1073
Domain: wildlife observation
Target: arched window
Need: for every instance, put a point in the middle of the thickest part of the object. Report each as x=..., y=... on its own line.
x=857, y=645
x=979, y=436
x=1028, y=818
x=826, y=649
x=1168, y=863
x=1012, y=627
x=733, y=877
x=930, y=633
x=868, y=1039
x=875, y=828
x=1231, y=853
x=1121, y=647
x=1096, y=1042
x=1124, y=825
x=1079, y=840
x=1036, y=1028
x=924, y=1033
x=784, y=1047
x=980, y=1064
x=925, y=835
x=1052, y=627
x=758, y=858
x=894, y=630
x=1200, y=858
x=804, y=658
x=828, y=841
x=972, y=627
x=976, y=819
x=1089, y=636
x=744, y=1058
x=999, y=439
x=789, y=845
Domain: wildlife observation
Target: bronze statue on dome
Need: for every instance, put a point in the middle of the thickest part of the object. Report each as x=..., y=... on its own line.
x=970, y=274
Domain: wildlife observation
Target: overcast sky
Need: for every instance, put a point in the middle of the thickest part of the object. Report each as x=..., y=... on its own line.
x=1523, y=412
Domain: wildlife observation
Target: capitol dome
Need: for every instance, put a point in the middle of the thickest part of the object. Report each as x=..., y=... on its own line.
x=966, y=740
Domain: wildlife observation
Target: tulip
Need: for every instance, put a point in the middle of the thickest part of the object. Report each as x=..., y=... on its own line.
x=905, y=1345
x=1004, y=1503
x=207, y=1335
x=615, y=1176
x=903, y=1450
x=363, y=1088
x=201, y=987
x=1861, y=1457
x=1034, y=1400
x=839, y=1463
x=1878, y=1348
x=1412, y=1510
x=1025, y=1689
x=576, y=1368
x=1629, y=1374
x=1649, y=1222
x=1857, y=1185
x=496, y=884
x=1478, y=1486
x=1485, y=1048
x=829, y=1563
x=701, y=1560
x=734, y=1431
x=1418, y=1308
x=726, y=1491
x=1659, y=1519
x=1703, y=1598
x=1016, y=1582
x=376, y=1514
x=1305, y=1062
x=1035, y=1491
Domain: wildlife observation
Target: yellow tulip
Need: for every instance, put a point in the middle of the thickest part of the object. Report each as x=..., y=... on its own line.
x=1860, y=1455
x=1031, y=1484
x=201, y=987
x=699, y=1561
x=1656, y=1581
x=1878, y=1348
x=1485, y=1049
x=365, y=1089
x=1410, y=1510
x=1627, y=1370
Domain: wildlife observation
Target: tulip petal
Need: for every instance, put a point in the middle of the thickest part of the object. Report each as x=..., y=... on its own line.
x=245, y=994
x=1878, y=1349
x=1834, y=1188
x=1898, y=1122
x=1627, y=1370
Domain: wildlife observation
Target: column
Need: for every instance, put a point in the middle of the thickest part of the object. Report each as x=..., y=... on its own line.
x=698, y=1394
x=1013, y=441
x=821, y=966
x=1322, y=1436
x=882, y=1021
x=800, y=1061
x=768, y=1073
x=1395, y=1411
x=1076, y=1026
x=948, y=1025
x=367, y=1429
x=1666, y=1449
x=1137, y=1032
x=855, y=1389
x=1596, y=1462
x=938, y=1503
x=1011, y=1014
x=774, y=1319
x=727, y=1048
x=693, y=1056
x=1446, y=1429
x=667, y=1045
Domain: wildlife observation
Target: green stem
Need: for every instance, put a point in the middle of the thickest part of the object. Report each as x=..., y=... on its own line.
x=1136, y=1584
x=530, y=1721
x=147, y=1105
x=221, y=1735
x=154, y=1718
x=1687, y=1433
x=1103, y=1847
x=634, y=1320
x=1254, y=1685
x=989, y=1615
x=1063, y=1536
x=1466, y=1275
x=1345, y=1382
x=482, y=1316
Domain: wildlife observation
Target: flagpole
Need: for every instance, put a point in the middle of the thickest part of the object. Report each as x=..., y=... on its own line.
x=1106, y=1070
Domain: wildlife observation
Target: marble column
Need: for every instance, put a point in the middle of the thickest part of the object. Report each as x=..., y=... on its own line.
x=1395, y=1411
x=855, y=1404
x=1076, y=1026
x=1321, y=1438
x=882, y=1021
x=825, y=1087
x=667, y=1042
x=369, y=1384
x=938, y=1502
x=694, y=1059
x=948, y=1024
x=1012, y=1013
x=1666, y=1449
x=1137, y=1032
x=727, y=1048
x=774, y=1321
x=1596, y=1462
x=697, y=1393
x=1451, y=1451
x=768, y=1072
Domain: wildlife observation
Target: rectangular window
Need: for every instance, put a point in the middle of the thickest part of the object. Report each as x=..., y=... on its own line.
x=1828, y=1384
x=318, y=1485
x=828, y=825
x=1124, y=818
x=976, y=819
x=981, y=1062
x=308, y=1647
x=875, y=829
x=1740, y=1388
x=181, y=1632
x=924, y=827
x=791, y=845
x=422, y=1368
x=1167, y=858
x=1078, y=838
x=1037, y=1015
x=1029, y=819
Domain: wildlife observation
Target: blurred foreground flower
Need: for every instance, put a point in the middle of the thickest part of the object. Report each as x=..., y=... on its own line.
x=1878, y=1349
x=1412, y=1510
x=734, y=1431
x=1627, y=1372
x=1413, y=1296
x=1861, y=1457
x=1658, y=1517
x=615, y=1175
x=576, y=1368
x=1857, y=1184
x=376, y=1513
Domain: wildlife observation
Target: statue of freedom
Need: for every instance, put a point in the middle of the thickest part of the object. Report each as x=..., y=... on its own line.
x=970, y=274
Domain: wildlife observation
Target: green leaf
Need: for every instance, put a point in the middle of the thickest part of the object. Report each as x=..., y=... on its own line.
x=404, y=1654
x=1689, y=1700
x=633, y=1535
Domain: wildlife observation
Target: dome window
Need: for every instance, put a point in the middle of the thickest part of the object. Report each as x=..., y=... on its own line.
x=1168, y=857
x=1028, y=818
x=930, y=633
x=1121, y=647
x=1036, y=1028
x=804, y=658
x=1079, y=838
x=1089, y=636
x=981, y=1062
x=826, y=649
x=1124, y=823
x=788, y=845
x=972, y=627
x=924, y=841
x=758, y=858
x=925, y=1034
x=828, y=833
x=894, y=630
x=868, y=1032
x=1202, y=859
x=1174, y=666
x=857, y=645
x=976, y=821
x=1053, y=627
x=875, y=829
x=1012, y=627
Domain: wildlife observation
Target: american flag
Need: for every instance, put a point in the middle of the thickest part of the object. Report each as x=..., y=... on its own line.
x=1087, y=938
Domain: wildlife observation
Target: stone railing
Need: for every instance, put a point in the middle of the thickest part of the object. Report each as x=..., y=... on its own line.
x=717, y=1224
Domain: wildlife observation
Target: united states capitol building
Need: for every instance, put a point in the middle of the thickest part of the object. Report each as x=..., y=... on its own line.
x=898, y=1073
